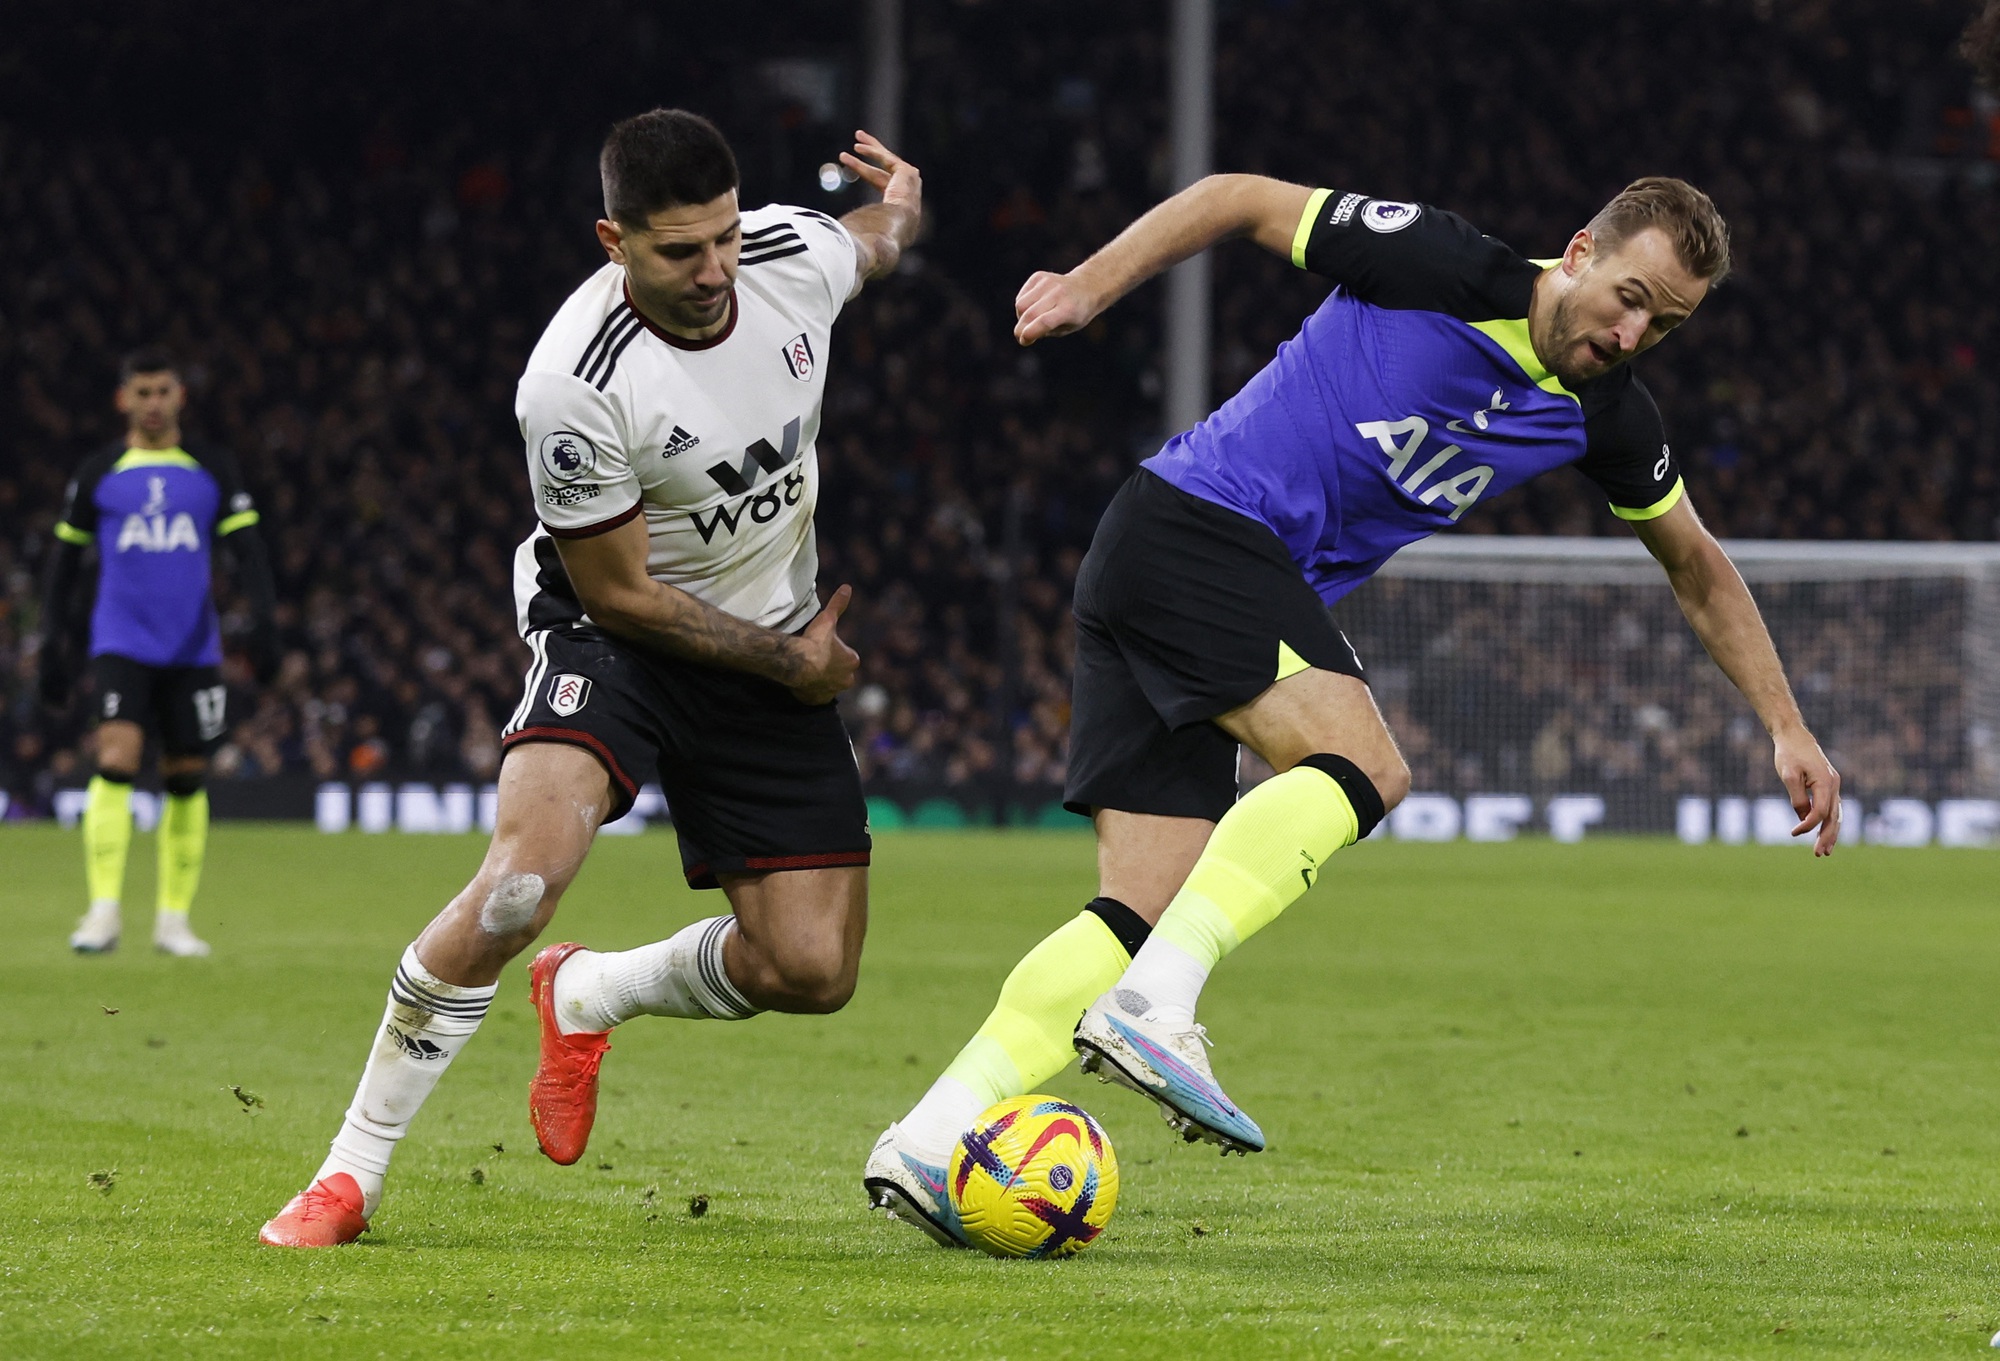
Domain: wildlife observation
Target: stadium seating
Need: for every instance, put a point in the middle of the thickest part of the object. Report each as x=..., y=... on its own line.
x=354, y=314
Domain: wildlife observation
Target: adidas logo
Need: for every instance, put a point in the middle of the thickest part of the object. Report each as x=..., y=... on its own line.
x=679, y=443
x=414, y=1045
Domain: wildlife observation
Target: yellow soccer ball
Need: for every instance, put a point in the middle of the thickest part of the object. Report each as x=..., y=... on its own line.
x=1033, y=1177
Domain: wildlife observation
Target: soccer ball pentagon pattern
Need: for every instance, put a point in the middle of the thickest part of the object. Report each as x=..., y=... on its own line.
x=1033, y=1177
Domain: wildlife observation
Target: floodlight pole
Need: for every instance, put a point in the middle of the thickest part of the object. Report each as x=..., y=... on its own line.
x=884, y=111
x=1185, y=399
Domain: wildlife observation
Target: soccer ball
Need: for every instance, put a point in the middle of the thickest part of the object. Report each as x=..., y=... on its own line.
x=1033, y=1177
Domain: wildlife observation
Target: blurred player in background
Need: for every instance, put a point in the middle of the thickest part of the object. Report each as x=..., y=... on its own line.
x=153, y=505
x=668, y=598
x=1981, y=45
x=1443, y=369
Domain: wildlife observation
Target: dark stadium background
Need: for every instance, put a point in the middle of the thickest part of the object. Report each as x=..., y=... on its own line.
x=352, y=220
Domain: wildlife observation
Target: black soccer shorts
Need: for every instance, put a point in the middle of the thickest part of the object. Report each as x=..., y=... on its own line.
x=185, y=707
x=755, y=779
x=1184, y=611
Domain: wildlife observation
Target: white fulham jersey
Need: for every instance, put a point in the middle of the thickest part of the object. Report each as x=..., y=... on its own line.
x=712, y=441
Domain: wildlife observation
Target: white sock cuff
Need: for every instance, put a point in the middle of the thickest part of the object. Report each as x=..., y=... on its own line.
x=712, y=988
x=1163, y=980
x=417, y=987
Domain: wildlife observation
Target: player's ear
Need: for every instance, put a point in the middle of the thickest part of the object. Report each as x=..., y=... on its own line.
x=612, y=237
x=1578, y=252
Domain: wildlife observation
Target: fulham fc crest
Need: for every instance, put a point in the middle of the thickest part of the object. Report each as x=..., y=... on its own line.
x=568, y=693
x=799, y=357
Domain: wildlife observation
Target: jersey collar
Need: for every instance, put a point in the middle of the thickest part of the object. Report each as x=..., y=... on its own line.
x=682, y=342
x=175, y=457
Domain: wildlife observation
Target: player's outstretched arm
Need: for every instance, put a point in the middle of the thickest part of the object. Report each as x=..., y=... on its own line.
x=609, y=574
x=1206, y=212
x=54, y=673
x=1725, y=617
x=882, y=230
x=252, y=562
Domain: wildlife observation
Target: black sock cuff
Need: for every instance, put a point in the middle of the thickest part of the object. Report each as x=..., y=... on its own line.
x=1360, y=790
x=1130, y=928
x=180, y=786
x=116, y=776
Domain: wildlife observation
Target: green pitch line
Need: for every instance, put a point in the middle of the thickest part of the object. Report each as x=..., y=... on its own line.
x=1622, y=1098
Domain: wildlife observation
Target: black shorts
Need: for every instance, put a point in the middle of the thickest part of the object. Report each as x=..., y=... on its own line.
x=1184, y=611
x=755, y=780
x=186, y=707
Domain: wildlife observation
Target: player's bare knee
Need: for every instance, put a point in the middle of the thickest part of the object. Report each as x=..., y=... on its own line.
x=824, y=993
x=511, y=905
x=811, y=984
x=1392, y=782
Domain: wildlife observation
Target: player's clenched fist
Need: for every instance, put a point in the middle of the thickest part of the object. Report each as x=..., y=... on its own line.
x=1052, y=305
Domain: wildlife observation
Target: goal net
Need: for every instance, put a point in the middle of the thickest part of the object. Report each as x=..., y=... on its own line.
x=1552, y=684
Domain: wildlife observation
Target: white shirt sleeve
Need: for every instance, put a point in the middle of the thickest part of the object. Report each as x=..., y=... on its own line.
x=831, y=247
x=578, y=462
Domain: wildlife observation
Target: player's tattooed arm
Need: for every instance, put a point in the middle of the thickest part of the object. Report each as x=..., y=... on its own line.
x=609, y=573
x=1208, y=211
x=882, y=231
x=1725, y=617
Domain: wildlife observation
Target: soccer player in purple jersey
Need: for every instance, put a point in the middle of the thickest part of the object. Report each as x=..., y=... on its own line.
x=1443, y=368
x=152, y=505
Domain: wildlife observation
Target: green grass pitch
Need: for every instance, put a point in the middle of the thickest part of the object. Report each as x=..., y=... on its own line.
x=1627, y=1098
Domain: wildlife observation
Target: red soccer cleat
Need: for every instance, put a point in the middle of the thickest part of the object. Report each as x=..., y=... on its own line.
x=324, y=1215
x=562, y=1096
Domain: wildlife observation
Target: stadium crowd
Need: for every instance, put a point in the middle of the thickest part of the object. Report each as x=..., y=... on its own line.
x=353, y=309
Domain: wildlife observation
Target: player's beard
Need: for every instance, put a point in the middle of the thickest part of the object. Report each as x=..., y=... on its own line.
x=681, y=312
x=697, y=314
x=1564, y=338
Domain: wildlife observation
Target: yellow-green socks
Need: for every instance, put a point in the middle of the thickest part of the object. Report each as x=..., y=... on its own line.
x=183, y=843
x=1026, y=1039
x=107, y=836
x=1265, y=853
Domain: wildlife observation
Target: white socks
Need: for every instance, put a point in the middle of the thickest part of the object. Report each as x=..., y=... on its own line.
x=1168, y=978
x=427, y=1022
x=681, y=976
x=946, y=1111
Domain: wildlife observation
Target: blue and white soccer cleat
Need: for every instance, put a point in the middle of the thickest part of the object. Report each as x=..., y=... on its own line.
x=1168, y=1063
x=910, y=1189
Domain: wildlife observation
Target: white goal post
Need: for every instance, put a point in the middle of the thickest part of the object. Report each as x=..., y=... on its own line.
x=1552, y=684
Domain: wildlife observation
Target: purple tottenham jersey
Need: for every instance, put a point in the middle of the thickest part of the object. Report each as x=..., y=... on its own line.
x=1411, y=395
x=153, y=514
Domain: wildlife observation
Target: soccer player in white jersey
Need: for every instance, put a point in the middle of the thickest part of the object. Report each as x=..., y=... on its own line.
x=668, y=598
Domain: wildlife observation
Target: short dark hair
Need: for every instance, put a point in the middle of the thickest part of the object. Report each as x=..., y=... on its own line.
x=1688, y=217
x=1981, y=45
x=146, y=359
x=663, y=159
